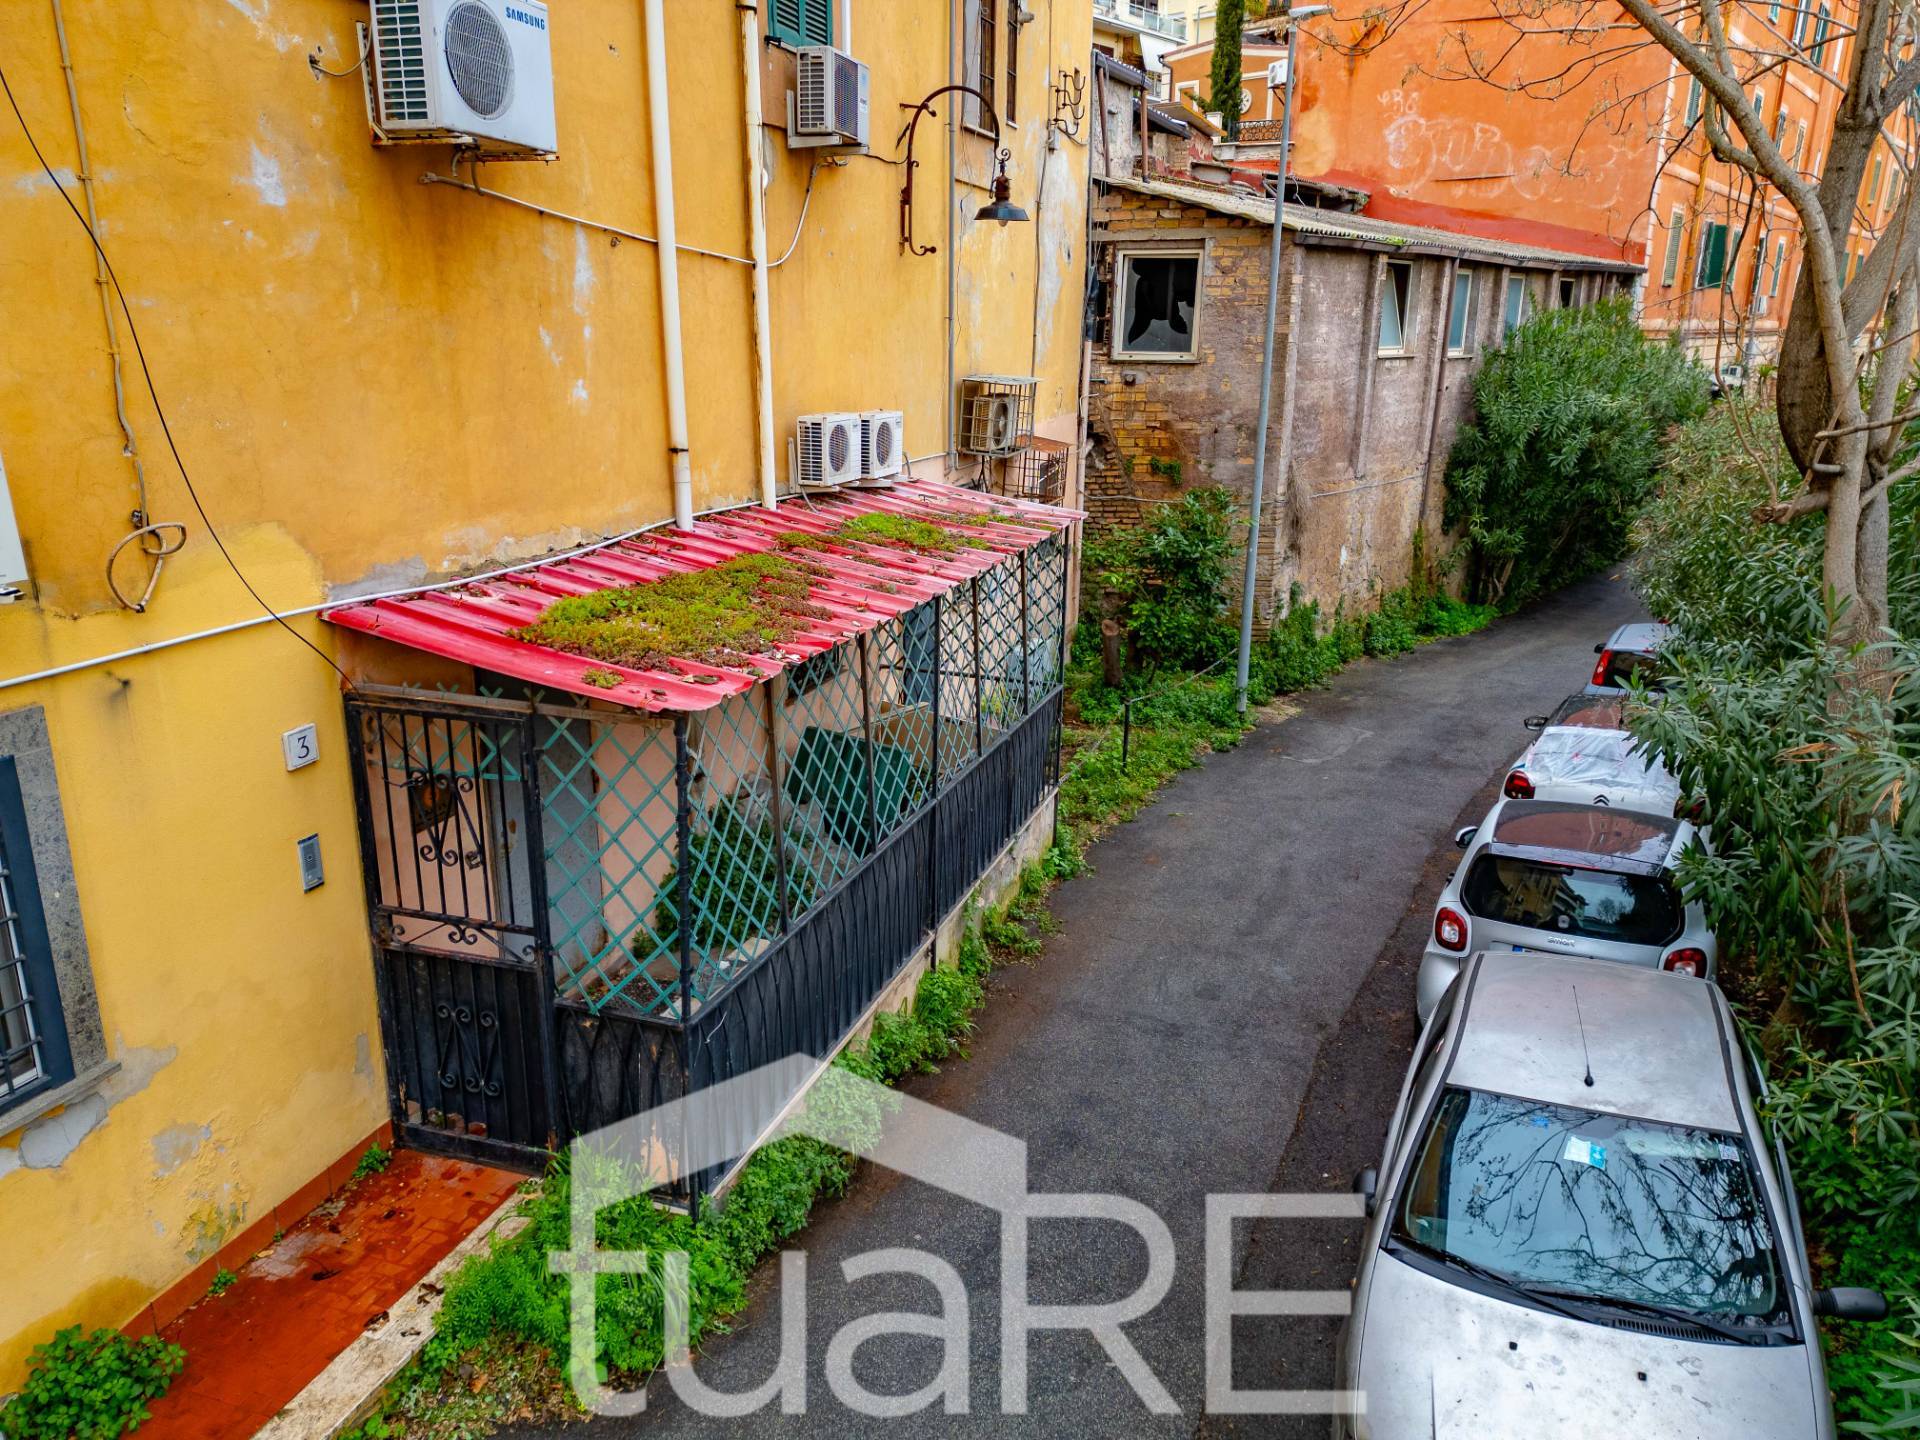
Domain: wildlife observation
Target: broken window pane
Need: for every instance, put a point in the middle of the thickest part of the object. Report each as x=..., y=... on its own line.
x=1159, y=293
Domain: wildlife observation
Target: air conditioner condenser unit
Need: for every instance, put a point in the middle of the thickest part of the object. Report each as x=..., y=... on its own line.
x=996, y=414
x=828, y=104
x=463, y=72
x=829, y=446
x=883, y=449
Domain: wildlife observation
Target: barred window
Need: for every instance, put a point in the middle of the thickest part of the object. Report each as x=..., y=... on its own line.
x=33, y=1037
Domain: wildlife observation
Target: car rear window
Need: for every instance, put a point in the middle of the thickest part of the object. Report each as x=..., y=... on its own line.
x=1570, y=900
x=1625, y=664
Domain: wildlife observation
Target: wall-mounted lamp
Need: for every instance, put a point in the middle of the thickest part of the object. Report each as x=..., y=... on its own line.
x=1000, y=209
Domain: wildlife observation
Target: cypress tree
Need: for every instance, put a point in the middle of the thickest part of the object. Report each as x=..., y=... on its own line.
x=1224, y=79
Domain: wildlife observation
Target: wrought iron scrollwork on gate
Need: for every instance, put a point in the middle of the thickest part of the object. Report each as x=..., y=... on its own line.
x=437, y=804
x=468, y=1056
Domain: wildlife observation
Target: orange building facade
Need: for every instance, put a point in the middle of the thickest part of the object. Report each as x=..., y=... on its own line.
x=1612, y=164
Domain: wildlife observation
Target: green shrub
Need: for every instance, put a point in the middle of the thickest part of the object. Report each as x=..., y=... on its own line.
x=376, y=1159
x=1169, y=578
x=1813, y=888
x=90, y=1386
x=1563, y=446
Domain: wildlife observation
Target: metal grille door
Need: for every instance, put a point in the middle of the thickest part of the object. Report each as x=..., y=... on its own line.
x=449, y=837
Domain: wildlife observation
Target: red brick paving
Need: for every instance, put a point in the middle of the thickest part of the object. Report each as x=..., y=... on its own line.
x=301, y=1301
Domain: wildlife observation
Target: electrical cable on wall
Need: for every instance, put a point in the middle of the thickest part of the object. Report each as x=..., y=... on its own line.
x=140, y=354
x=156, y=539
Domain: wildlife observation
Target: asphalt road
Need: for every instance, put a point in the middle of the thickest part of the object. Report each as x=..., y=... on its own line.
x=1227, y=1008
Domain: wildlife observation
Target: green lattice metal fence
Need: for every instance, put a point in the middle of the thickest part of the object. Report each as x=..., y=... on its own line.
x=676, y=850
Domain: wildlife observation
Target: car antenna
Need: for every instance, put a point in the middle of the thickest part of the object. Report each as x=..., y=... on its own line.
x=1581, y=1019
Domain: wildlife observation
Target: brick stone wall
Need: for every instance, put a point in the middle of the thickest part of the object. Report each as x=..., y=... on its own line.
x=1357, y=446
x=1158, y=428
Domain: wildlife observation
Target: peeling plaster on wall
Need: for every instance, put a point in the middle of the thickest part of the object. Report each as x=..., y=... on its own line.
x=48, y=1142
x=35, y=181
x=474, y=545
x=176, y=1145
x=584, y=278
x=209, y=1226
x=394, y=575
x=257, y=12
x=578, y=395
x=264, y=177
x=363, y=1056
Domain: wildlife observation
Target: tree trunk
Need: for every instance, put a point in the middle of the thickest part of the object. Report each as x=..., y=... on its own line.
x=1112, y=669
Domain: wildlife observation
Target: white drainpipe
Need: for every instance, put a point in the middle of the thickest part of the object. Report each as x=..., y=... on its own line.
x=669, y=253
x=757, y=243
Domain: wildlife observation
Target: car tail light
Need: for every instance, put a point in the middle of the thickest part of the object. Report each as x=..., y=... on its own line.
x=1692, y=811
x=1518, y=787
x=1601, y=666
x=1450, y=929
x=1687, y=961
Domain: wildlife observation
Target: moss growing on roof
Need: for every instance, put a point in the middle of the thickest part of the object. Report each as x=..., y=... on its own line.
x=886, y=528
x=749, y=605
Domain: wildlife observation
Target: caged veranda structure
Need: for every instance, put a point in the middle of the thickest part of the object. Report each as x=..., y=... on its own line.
x=595, y=887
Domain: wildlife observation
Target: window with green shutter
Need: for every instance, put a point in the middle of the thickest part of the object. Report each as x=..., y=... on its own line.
x=1713, y=256
x=801, y=22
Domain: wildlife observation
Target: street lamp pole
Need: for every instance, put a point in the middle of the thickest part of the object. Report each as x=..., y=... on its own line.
x=1245, y=660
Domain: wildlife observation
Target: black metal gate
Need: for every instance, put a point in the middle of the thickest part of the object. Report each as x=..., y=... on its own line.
x=449, y=812
x=486, y=1058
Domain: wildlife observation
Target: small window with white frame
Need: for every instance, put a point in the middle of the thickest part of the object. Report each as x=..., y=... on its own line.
x=1513, y=313
x=1396, y=308
x=1156, y=305
x=1460, y=313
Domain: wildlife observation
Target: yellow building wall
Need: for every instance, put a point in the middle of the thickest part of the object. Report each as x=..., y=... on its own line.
x=375, y=381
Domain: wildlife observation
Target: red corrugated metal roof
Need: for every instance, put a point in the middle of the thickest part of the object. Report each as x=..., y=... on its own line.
x=866, y=586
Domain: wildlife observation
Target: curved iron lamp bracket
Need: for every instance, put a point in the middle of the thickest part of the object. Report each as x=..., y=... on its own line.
x=925, y=107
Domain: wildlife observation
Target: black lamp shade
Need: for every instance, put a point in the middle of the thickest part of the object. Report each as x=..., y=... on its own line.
x=1001, y=211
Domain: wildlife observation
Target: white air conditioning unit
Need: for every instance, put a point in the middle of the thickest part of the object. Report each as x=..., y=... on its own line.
x=883, y=446
x=465, y=72
x=829, y=449
x=828, y=104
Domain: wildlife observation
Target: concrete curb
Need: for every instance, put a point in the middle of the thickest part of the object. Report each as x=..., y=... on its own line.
x=346, y=1390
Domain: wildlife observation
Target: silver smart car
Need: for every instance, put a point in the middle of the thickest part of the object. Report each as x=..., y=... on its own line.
x=1556, y=878
x=1579, y=1226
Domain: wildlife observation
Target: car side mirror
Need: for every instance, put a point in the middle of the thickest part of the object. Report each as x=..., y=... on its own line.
x=1463, y=837
x=1368, y=1181
x=1535, y=722
x=1600, y=648
x=1850, y=1302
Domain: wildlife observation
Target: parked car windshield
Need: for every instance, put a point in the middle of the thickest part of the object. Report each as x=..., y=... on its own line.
x=1593, y=712
x=1594, y=1205
x=1596, y=904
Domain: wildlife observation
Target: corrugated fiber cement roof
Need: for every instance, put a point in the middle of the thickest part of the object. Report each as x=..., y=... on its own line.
x=856, y=586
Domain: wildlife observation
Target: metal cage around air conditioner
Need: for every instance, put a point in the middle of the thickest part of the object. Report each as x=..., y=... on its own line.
x=996, y=414
x=1039, y=472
